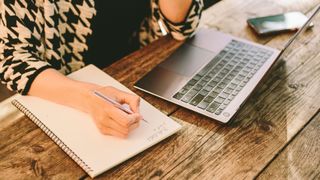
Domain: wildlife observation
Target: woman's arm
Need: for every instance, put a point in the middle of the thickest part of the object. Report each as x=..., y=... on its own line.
x=175, y=10
x=55, y=87
x=180, y=18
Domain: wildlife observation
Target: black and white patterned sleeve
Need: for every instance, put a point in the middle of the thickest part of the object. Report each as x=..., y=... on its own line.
x=158, y=25
x=21, y=26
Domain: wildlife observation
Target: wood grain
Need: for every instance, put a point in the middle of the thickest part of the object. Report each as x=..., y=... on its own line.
x=196, y=132
x=277, y=110
x=300, y=159
x=4, y=92
x=27, y=153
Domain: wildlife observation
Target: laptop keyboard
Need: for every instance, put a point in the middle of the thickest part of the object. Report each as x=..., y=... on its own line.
x=216, y=84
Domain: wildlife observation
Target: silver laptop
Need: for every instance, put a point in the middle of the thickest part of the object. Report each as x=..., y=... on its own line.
x=213, y=73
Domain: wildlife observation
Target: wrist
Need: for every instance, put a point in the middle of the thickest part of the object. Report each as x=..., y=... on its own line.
x=82, y=94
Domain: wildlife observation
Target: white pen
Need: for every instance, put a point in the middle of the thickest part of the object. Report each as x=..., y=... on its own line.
x=115, y=104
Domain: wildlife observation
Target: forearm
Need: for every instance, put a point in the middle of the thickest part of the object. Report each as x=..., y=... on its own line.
x=54, y=86
x=175, y=10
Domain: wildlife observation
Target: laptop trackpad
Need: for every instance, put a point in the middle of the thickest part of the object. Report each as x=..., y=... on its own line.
x=187, y=60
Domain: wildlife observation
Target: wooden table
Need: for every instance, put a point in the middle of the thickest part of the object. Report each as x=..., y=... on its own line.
x=275, y=135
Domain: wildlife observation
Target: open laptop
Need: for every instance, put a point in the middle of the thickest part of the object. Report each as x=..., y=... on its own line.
x=213, y=73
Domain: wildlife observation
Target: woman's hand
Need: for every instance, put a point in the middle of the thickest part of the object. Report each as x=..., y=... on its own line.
x=109, y=119
x=55, y=87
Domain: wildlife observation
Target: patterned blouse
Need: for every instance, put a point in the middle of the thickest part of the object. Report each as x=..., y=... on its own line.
x=33, y=36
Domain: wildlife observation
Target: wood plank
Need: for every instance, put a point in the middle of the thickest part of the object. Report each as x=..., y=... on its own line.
x=267, y=122
x=230, y=16
x=8, y=113
x=132, y=67
x=4, y=92
x=162, y=158
x=300, y=159
x=26, y=152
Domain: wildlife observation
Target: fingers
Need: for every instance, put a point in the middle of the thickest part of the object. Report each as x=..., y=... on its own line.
x=115, y=122
x=109, y=126
x=132, y=100
x=123, y=118
x=112, y=132
x=111, y=120
x=134, y=126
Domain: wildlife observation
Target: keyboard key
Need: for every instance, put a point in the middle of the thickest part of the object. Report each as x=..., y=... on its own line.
x=224, y=95
x=232, y=86
x=198, y=87
x=183, y=91
x=238, y=88
x=228, y=90
x=250, y=75
x=222, y=53
x=224, y=62
x=202, y=83
x=217, y=79
x=241, y=77
x=217, y=90
x=227, y=80
x=231, y=97
x=213, y=83
x=203, y=105
x=207, y=78
x=222, y=106
x=213, y=94
x=234, y=93
x=208, y=99
x=204, y=92
x=225, y=71
x=246, y=79
x=218, y=112
x=204, y=70
x=210, y=74
x=226, y=102
x=219, y=99
x=222, y=85
x=192, y=82
x=197, y=99
x=178, y=96
x=197, y=77
x=213, y=106
x=189, y=95
x=208, y=88
x=242, y=84
x=219, y=66
x=236, y=81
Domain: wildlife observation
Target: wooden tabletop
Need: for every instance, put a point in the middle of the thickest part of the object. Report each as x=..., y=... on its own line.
x=274, y=136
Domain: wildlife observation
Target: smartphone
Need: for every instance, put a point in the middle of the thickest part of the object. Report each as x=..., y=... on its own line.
x=290, y=21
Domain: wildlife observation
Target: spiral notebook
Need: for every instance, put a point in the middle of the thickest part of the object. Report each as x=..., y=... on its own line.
x=77, y=135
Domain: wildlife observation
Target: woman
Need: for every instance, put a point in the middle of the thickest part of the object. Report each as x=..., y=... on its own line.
x=42, y=40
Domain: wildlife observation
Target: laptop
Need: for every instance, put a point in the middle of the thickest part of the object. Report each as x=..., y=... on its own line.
x=213, y=73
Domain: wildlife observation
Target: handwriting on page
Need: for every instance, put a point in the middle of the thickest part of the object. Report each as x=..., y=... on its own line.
x=158, y=132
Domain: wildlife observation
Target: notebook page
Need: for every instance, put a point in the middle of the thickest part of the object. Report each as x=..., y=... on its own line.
x=78, y=131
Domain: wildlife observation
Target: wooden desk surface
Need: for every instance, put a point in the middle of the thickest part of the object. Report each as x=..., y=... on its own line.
x=275, y=134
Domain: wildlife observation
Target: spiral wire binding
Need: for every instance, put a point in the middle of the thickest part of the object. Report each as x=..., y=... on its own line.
x=58, y=141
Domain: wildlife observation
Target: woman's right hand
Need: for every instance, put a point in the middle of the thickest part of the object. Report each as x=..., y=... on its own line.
x=109, y=119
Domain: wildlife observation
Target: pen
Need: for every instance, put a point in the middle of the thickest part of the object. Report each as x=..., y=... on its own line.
x=115, y=104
